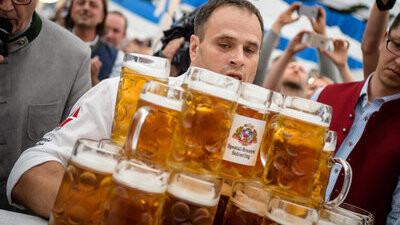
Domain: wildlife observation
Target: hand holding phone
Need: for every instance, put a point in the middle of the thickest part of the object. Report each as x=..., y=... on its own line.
x=317, y=41
x=310, y=11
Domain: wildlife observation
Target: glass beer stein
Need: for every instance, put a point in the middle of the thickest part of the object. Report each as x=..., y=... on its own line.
x=345, y=214
x=282, y=212
x=274, y=106
x=154, y=122
x=203, y=128
x=293, y=157
x=85, y=185
x=247, y=205
x=241, y=149
x=324, y=171
x=191, y=199
x=136, y=70
x=137, y=195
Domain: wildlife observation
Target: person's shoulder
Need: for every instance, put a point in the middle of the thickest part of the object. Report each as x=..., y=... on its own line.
x=64, y=38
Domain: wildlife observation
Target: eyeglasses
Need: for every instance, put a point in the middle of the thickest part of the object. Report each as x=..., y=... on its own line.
x=393, y=47
x=20, y=2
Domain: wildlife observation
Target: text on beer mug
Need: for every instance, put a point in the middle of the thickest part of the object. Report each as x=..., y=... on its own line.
x=247, y=130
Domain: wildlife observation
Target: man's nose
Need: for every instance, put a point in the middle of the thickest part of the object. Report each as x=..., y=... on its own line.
x=237, y=57
x=397, y=60
x=6, y=5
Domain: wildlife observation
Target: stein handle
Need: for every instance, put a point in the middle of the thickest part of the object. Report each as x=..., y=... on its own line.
x=348, y=175
x=264, y=151
x=135, y=127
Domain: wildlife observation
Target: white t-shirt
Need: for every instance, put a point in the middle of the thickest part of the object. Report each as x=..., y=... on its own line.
x=91, y=117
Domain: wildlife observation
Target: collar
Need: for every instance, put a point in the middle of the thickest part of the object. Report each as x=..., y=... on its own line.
x=22, y=40
x=364, y=94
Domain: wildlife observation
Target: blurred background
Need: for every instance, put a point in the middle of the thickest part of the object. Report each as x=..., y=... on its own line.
x=148, y=18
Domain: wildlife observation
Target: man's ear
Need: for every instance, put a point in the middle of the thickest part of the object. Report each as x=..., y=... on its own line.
x=383, y=41
x=194, y=47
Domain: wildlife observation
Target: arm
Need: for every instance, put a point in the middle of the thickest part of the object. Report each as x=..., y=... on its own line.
x=35, y=177
x=275, y=73
x=271, y=40
x=339, y=57
x=50, y=175
x=327, y=67
x=373, y=33
x=394, y=215
x=95, y=67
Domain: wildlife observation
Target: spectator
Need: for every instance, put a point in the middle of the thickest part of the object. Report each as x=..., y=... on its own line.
x=44, y=73
x=116, y=26
x=86, y=19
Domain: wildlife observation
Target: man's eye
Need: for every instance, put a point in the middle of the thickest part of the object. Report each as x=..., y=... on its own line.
x=223, y=45
x=249, y=50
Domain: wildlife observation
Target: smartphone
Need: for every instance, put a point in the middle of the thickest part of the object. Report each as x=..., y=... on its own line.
x=310, y=11
x=317, y=41
x=5, y=33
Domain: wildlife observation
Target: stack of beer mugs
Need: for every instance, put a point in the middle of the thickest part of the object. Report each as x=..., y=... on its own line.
x=211, y=151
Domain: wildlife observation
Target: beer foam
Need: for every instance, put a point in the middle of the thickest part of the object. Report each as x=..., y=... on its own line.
x=190, y=194
x=151, y=69
x=247, y=204
x=256, y=94
x=95, y=161
x=219, y=92
x=162, y=101
x=261, y=108
x=146, y=182
x=304, y=116
x=329, y=147
x=284, y=218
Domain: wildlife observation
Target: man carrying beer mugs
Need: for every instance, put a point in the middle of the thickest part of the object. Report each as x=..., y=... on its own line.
x=366, y=119
x=227, y=40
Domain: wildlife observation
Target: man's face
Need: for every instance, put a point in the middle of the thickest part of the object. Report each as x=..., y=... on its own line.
x=388, y=68
x=115, y=30
x=295, y=73
x=18, y=15
x=87, y=13
x=231, y=43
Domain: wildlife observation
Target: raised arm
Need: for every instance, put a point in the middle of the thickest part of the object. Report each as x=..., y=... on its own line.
x=373, y=33
x=275, y=73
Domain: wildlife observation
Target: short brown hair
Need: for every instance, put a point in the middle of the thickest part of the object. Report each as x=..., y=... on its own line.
x=69, y=24
x=205, y=11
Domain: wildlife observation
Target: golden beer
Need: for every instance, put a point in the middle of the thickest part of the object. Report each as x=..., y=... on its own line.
x=281, y=212
x=156, y=131
x=190, y=200
x=245, y=136
x=204, y=124
x=84, y=187
x=294, y=155
x=136, y=70
x=137, y=196
x=247, y=205
x=271, y=119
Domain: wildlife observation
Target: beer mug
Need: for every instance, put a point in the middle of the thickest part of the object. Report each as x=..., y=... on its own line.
x=85, y=185
x=274, y=106
x=201, y=132
x=137, y=195
x=109, y=145
x=226, y=193
x=247, y=205
x=241, y=149
x=282, y=212
x=154, y=122
x=191, y=199
x=345, y=214
x=324, y=171
x=294, y=154
x=136, y=70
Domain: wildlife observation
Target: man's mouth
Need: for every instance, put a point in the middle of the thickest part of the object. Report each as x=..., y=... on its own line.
x=396, y=72
x=236, y=76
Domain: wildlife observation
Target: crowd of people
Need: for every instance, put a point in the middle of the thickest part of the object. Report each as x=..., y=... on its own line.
x=53, y=73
